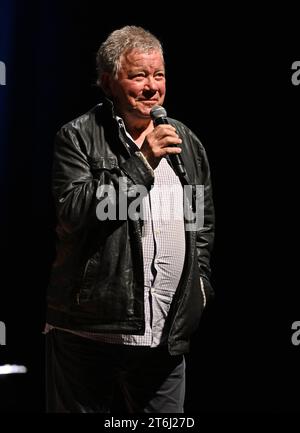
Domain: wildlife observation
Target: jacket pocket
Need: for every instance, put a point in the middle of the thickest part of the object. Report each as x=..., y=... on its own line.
x=88, y=276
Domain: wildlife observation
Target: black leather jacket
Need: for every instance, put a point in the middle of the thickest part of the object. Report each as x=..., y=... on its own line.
x=97, y=279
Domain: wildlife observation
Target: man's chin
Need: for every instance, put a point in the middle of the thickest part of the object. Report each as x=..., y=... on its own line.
x=142, y=112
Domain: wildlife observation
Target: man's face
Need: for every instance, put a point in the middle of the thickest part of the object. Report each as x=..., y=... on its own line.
x=140, y=85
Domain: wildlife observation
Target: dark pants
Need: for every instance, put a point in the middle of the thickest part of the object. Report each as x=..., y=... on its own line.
x=83, y=376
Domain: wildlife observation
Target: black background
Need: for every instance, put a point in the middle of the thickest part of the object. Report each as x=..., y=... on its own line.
x=229, y=79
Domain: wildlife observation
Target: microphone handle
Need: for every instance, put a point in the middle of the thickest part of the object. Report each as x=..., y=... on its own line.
x=177, y=164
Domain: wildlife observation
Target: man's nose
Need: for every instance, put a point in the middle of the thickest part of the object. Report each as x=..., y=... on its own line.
x=151, y=84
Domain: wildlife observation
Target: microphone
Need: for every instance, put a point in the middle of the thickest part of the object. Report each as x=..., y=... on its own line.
x=159, y=116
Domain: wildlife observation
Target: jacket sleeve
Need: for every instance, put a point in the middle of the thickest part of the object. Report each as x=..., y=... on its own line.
x=205, y=235
x=76, y=184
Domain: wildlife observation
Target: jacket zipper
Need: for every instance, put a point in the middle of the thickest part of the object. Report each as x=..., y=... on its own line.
x=203, y=292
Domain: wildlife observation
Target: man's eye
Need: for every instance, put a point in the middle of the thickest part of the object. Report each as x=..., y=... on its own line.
x=141, y=75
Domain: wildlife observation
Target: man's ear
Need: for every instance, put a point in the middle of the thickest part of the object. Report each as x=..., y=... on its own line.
x=106, y=83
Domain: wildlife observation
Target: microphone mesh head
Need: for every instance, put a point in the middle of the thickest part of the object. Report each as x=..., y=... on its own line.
x=157, y=111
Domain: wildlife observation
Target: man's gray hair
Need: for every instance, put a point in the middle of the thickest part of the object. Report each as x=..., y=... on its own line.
x=121, y=41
